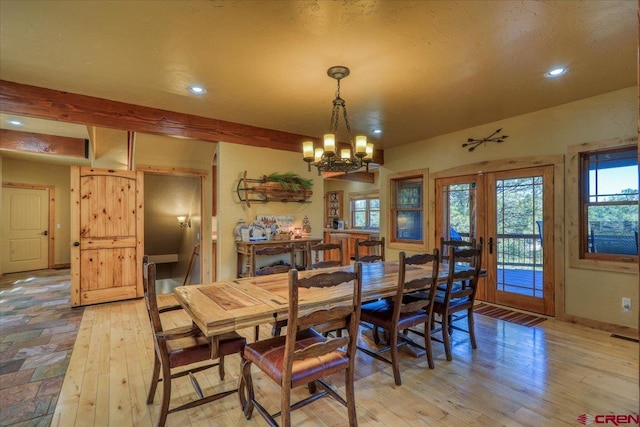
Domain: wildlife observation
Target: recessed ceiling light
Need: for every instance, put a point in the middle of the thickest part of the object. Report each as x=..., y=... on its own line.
x=197, y=90
x=15, y=122
x=556, y=72
x=377, y=131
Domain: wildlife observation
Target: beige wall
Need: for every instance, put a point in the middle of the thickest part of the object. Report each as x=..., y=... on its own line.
x=35, y=172
x=589, y=294
x=233, y=159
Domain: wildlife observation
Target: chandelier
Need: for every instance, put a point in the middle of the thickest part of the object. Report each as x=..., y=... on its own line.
x=327, y=159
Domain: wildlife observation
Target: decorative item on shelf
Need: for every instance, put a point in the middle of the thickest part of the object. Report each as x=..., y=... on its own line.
x=257, y=231
x=473, y=143
x=297, y=233
x=326, y=159
x=306, y=225
x=238, y=229
x=282, y=235
x=276, y=187
x=185, y=221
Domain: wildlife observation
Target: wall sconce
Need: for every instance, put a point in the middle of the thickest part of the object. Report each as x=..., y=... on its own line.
x=184, y=221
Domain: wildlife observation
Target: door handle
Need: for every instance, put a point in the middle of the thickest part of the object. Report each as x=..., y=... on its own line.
x=490, y=245
x=45, y=233
x=76, y=243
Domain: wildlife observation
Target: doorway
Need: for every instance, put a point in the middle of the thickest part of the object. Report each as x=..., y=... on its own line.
x=509, y=213
x=172, y=227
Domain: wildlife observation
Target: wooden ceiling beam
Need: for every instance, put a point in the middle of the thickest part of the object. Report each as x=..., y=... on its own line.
x=33, y=101
x=43, y=144
x=352, y=176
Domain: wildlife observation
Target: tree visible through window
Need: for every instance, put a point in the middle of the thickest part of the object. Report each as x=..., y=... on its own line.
x=609, y=198
x=407, y=209
x=365, y=213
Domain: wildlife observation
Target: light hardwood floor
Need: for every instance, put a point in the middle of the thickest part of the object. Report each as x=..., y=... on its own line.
x=546, y=375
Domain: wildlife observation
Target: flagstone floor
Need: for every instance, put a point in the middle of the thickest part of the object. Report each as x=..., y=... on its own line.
x=38, y=329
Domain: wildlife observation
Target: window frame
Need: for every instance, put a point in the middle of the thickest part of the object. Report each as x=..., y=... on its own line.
x=393, y=181
x=586, y=203
x=579, y=257
x=353, y=198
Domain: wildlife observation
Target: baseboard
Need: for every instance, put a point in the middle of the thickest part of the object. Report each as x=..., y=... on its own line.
x=623, y=331
x=60, y=266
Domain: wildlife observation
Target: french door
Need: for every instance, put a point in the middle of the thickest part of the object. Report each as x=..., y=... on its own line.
x=510, y=213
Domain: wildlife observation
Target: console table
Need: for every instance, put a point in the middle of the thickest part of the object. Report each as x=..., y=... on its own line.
x=244, y=252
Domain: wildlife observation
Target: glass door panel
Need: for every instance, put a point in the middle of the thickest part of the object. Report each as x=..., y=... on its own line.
x=515, y=251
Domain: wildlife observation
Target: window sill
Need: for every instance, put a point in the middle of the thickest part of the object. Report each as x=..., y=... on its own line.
x=604, y=265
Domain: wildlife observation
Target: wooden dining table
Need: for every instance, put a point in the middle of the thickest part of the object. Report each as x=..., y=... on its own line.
x=235, y=304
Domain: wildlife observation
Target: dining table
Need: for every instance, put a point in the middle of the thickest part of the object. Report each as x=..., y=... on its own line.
x=234, y=304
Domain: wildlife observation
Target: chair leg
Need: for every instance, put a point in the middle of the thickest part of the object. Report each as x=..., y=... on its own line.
x=472, y=330
x=155, y=376
x=245, y=389
x=257, y=333
x=351, y=396
x=285, y=405
x=394, y=356
x=427, y=344
x=446, y=337
x=166, y=395
x=221, y=368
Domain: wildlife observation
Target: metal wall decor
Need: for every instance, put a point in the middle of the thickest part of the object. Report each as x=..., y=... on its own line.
x=473, y=143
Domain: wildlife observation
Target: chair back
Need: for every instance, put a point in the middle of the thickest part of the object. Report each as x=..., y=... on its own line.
x=457, y=245
x=150, y=297
x=285, y=248
x=346, y=313
x=465, y=274
x=424, y=285
x=333, y=250
x=370, y=250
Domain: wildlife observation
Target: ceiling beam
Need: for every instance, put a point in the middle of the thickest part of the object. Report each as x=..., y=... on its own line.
x=353, y=176
x=33, y=101
x=43, y=144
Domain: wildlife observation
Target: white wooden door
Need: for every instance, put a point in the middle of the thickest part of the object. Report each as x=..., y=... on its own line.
x=106, y=235
x=25, y=223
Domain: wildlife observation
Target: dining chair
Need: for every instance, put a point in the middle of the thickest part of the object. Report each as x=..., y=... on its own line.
x=456, y=244
x=284, y=249
x=458, y=295
x=328, y=250
x=166, y=302
x=256, y=251
x=399, y=314
x=370, y=250
x=185, y=351
x=304, y=355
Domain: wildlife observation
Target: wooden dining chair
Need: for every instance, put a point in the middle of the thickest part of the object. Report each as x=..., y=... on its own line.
x=398, y=315
x=370, y=250
x=458, y=295
x=184, y=351
x=456, y=244
x=284, y=249
x=304, y=355
x=331, y=255
x=166, y=302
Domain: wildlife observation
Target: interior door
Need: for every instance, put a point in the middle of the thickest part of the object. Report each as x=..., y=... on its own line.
x=519, y=241
x=25, y=222
x=106, y=235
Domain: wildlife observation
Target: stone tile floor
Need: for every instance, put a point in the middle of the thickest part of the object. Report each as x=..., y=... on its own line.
x=38, y=329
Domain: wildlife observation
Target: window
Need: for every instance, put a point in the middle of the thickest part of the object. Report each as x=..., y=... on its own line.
x=365, y=212
x=609, y=204
x=408, y=199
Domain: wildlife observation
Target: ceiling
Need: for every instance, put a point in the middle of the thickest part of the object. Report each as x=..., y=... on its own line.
x=418, y=68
